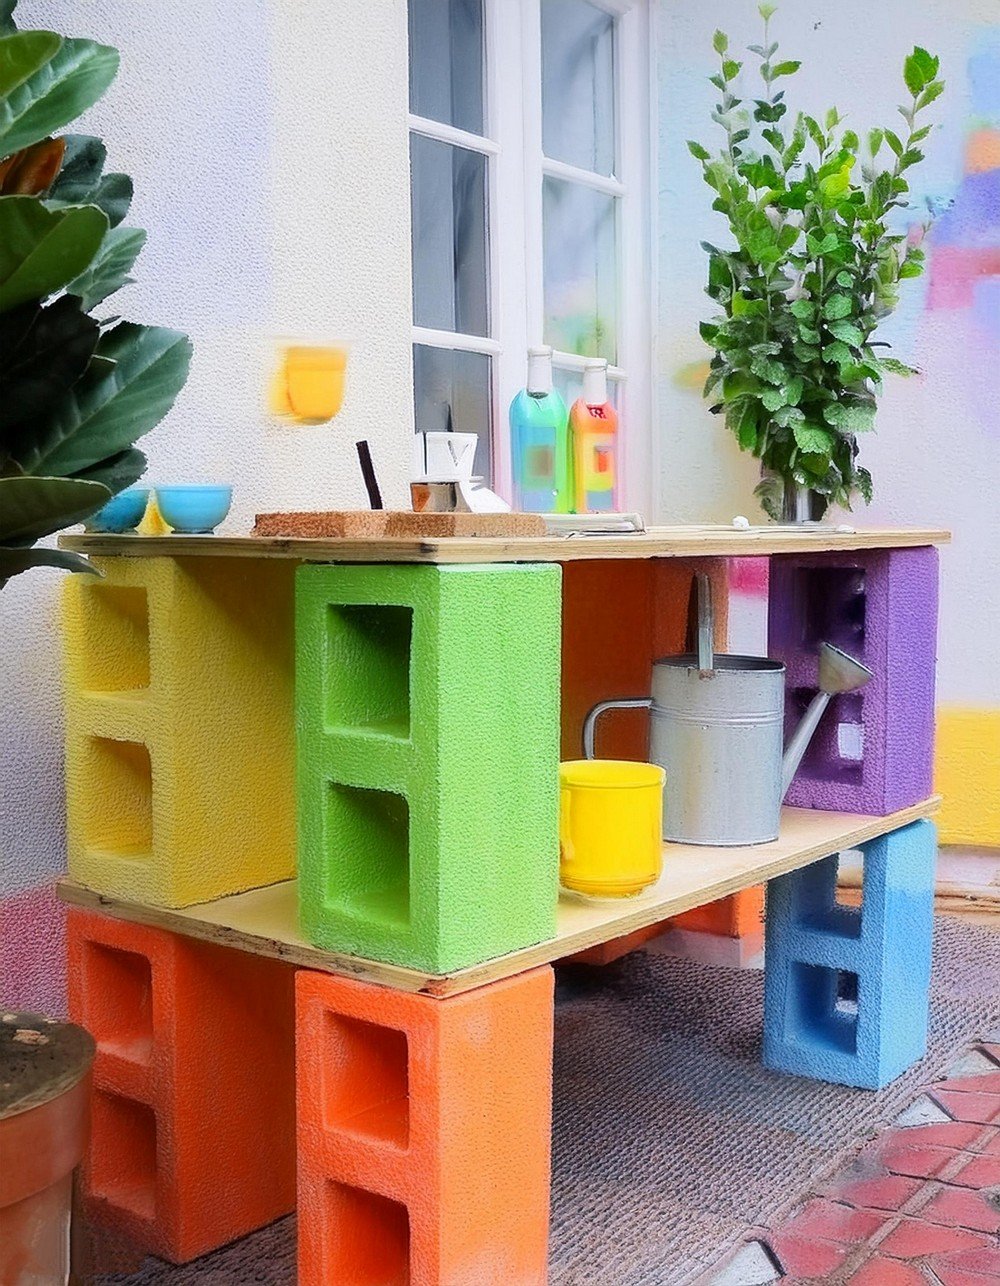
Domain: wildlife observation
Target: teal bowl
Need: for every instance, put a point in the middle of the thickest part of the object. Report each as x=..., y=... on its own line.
x=122, y=512
x=194, y=508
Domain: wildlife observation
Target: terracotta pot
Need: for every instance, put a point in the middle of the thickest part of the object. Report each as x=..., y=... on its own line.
x=44, y=1126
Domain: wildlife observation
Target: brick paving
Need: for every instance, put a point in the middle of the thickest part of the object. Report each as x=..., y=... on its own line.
x=918, y=1206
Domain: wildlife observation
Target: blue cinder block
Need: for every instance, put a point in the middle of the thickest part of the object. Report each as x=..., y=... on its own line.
x=846, y=989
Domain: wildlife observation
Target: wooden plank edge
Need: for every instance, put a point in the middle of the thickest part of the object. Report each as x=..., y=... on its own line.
x=457, y=549
x=515, y=962
x=304, y=956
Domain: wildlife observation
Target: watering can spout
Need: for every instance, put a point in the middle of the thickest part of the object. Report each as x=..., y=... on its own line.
x=838, y=673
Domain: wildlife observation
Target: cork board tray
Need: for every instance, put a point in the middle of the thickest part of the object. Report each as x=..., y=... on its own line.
x=394, y=524
x=265, y=921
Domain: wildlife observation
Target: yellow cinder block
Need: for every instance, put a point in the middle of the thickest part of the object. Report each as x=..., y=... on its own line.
x=180, y=746
x=967, y=773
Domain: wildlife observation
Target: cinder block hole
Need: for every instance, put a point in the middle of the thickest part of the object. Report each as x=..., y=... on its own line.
x=823, y=903
x=367, y=1238
x=123, y=1154
x=116, y=638
x=366, y=1080
x=368, y=668
x=836, y=752
x=833, y=603
x=119, y=798
x=822, y=1008
x=368, y=853
x=119, y=1001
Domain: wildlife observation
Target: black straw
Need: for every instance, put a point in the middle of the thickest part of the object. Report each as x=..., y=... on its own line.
x=368, y=473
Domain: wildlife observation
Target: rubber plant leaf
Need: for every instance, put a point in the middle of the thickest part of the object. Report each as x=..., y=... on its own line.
x=80, y=180
x=14, y=561
x=110, y=268
x=118, y=472
x=33, y=507
x=22, y=54
x=103, y=413
x=7, y=8
x=43, y=352
x=72, y=78
x=41, y=249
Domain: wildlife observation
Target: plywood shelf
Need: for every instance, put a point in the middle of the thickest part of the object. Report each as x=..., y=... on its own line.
x=656, y=542
x=265, y=921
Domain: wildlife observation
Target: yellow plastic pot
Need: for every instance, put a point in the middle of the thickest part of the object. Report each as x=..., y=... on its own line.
x=610, y=822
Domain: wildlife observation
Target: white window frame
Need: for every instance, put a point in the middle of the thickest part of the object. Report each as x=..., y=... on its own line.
x=516, y=166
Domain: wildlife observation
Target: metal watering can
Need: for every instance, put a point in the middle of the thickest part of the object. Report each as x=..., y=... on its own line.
x=717, y=728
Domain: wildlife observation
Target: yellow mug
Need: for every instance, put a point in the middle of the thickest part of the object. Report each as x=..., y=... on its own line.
x=610, y=826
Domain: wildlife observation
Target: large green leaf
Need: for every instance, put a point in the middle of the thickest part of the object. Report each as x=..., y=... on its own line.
x=105, y=412
x=41, y=249
x=110, y=268
x=14, y=561
x=81, y=180
x=33, y=507
x=43, y=352
x=70, y=80
x=23, y=53
x=118, y=472
x=7, y=16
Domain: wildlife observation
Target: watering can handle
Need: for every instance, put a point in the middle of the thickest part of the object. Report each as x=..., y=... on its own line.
x=590, y=723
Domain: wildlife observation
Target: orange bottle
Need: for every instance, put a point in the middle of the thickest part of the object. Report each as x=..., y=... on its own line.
x=593, y=424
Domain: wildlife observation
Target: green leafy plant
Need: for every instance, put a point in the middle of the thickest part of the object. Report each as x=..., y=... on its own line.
x=816, y=267
x=77, y=390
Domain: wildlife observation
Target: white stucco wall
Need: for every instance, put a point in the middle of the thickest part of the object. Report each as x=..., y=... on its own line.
x=267, y=141
x=936, y=456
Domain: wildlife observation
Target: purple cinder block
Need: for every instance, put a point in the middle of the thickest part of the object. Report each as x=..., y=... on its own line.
x=873, y=751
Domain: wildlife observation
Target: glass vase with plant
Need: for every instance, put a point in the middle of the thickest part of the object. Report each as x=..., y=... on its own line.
x=816, y=267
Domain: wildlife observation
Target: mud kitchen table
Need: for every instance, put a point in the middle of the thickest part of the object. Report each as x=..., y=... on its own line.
x=384, y=718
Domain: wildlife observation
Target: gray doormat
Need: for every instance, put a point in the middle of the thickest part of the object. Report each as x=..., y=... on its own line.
x=669, y=1137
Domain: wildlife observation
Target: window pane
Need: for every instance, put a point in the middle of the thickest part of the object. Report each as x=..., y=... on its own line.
x=581, y=287
x=452, y=394
x=578, y=87
x=448, y=208
x=446, y=62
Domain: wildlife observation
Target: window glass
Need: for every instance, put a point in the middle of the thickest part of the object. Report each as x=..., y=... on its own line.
x=448, y=208
x=578, y=89
x=446, y=62
x=580, y=276
x=570, y=386
x=452, y=394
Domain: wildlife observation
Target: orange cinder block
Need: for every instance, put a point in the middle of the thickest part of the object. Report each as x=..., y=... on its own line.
x=619, y=616
x=193, y=1139
x=737, y=916
x=424, y=1133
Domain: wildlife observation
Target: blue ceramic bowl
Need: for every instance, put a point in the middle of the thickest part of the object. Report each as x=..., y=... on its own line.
x=194, y=507
x=122, y=512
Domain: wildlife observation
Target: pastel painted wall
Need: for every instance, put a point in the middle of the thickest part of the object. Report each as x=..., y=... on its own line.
x=936, y=456
x=267, y=140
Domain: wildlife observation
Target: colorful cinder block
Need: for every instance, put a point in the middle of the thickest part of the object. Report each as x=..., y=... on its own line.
x=180, y=727
x=618, y=617
x=427, y=719
x=873, y=751
x=424, y=1133
x=846, y=988
x=193, y=1110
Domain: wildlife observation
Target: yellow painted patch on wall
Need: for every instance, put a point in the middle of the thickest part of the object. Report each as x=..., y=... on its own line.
x=968, y=775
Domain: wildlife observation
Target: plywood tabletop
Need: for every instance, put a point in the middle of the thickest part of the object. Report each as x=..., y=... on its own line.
x=265, y=921
x=655, y=542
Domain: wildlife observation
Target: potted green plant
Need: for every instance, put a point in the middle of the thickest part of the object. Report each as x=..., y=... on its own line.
x=816, y=266
x=78, y=388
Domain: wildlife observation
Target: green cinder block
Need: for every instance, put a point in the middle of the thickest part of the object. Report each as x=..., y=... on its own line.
x=427, y=723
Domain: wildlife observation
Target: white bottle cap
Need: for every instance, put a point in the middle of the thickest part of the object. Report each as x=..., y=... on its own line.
x=539, y=370
x=595, y=381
